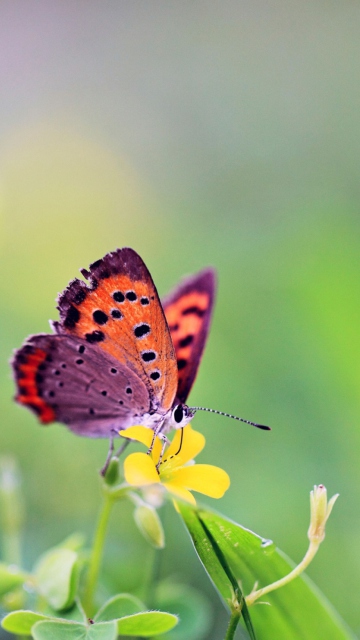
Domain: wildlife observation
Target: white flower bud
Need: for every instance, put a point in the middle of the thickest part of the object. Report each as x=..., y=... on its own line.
x=320, y=510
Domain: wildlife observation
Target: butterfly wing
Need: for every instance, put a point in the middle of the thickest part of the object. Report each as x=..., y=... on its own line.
x=119, y=311
x=188, y=310
x=65, y=379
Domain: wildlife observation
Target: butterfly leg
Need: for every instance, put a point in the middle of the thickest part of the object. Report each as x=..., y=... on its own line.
x=111, y=455
x=157, y=432
x=165, y=442
x=121, y=449
x=108, y=457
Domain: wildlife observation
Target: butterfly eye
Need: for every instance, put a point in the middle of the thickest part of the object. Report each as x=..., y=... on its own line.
x=178, y=413
x=181, y=416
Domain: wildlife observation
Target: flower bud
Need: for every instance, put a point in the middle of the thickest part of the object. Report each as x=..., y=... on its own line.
x=320, y=510
x=112, y=472
x=149, y=524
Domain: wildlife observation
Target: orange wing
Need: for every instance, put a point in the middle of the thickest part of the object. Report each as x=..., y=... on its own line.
x=188, y=312
x=120, y=312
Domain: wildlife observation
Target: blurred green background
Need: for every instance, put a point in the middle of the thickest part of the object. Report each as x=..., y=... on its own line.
x=198, y=133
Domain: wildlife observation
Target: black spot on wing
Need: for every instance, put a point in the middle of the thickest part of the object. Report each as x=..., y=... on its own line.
x=118, y=296
x=131, y=295
x=116, y=314
x=72, y=317
x=80, y=296
x=194, y=310
x=100, y=317
x=148, y=356
x=141, y=330
x=95, y=336
x=181, y=363
x=184, y=342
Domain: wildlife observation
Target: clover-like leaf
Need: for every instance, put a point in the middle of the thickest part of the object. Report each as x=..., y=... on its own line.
x=124, y=604
x=56, y=575
x=21, y=622
x=148, y=624
x=74, y=542
x=190, y=605
x=10, y=578
x=56, y=630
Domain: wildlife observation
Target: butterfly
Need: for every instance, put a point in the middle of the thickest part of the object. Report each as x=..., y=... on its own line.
x=118, y=356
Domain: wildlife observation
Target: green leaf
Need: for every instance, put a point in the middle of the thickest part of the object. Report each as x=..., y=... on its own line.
x=298, y=611
x=124, y=604
x=20, y=622
x=54, y=630
x=10, y=578
x=56, y=575
x=74, y=614
x=74, y=542
x=191, y=607
x=216, y=564
x=148, y=623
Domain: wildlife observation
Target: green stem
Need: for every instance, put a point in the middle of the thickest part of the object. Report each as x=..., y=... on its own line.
x=97, y=553
x=233, y=623
x=150, y=567
x=254, y=595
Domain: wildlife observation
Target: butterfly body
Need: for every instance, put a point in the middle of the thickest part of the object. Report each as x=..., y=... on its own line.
x=118, y=357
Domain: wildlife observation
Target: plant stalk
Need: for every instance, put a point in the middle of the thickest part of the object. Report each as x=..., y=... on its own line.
x=233, y=623
x=255, y=595
x=97, y=553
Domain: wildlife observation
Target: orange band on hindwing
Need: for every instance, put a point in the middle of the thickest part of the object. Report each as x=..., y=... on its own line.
x=28, y=368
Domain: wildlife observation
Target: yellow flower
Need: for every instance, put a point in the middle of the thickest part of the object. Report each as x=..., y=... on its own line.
x=176, y=471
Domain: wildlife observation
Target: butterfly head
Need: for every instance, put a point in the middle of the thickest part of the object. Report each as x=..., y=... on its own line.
x=181, y=415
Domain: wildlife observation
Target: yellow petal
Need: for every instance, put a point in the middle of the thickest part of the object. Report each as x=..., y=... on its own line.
x=192, y=443
x=145, y=436
x=138, y=433
x=179, y=492
x=205, y=478
x=140, y=470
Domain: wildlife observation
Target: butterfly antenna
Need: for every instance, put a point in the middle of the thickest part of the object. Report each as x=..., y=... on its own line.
x=228, y=415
